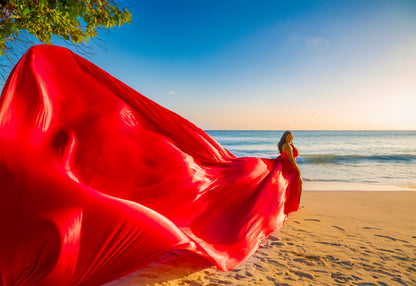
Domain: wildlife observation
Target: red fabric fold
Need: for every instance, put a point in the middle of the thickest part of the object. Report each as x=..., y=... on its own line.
x=97, y=180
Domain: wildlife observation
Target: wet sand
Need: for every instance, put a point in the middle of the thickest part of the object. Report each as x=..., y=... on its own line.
x=336, y=238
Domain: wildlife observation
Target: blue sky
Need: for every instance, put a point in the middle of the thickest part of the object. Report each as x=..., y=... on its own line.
x=271, y=64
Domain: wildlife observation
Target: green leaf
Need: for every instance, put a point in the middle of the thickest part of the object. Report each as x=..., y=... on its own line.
x=26, y=11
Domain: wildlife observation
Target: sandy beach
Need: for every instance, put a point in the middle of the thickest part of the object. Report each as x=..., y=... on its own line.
x=336, y=238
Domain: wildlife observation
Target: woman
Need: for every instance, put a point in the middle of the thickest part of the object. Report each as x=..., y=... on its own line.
x=288, y=155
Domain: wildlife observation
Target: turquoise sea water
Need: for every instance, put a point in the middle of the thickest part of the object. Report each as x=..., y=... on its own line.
x=368, y=157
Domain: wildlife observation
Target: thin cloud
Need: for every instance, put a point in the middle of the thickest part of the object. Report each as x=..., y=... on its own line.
x=316, y=42
x=171, y=92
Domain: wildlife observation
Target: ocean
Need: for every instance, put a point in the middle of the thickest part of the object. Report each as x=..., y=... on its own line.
x=365, y=157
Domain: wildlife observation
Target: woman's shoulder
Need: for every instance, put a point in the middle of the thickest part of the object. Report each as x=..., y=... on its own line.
x=286, y=146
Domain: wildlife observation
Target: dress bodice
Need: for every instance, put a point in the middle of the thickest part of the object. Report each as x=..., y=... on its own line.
x=295, y=152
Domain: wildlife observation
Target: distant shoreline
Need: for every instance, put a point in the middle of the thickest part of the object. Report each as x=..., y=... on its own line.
x=349, y=186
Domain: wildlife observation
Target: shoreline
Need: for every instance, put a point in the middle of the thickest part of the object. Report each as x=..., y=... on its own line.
x=348, y=186
x=338, y=237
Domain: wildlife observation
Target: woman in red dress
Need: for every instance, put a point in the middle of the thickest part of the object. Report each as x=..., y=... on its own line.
x=288, y=155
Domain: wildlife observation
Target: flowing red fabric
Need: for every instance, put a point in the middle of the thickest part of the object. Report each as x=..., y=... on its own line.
x=97, y=180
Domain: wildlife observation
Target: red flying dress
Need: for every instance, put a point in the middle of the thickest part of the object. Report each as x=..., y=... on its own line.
x=96, y=180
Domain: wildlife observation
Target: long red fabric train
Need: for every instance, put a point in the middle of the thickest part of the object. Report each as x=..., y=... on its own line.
x=97, y=180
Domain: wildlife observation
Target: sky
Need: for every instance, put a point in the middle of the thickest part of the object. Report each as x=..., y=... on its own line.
x=271, y=65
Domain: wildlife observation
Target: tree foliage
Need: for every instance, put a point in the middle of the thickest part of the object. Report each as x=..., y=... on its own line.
x=74, y=21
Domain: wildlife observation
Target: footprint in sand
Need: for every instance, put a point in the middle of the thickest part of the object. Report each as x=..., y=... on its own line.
x=391, y=238
x=239, y=277
x=319, y=271
x=276, y=263
x=328, y=243
x=411, y=269
x=272, y=237
x=346, y=263
x=261, y=253
x=331, y=258
x=400, y=258
x=312, y=219
x=385, y=250
x=214, y=281
x=258, y=266
x=313, y=257
x=369, y=227
x=399, y=280
x=337, y=227
x=340, y=278
x=270, y=278
x=248, y=274
x=302, y=274
x=193, y=283
x=277, y=243
x=301, y=260
x=356, y=278
x=304, y=231
x=378, y=264
x=386, y=236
